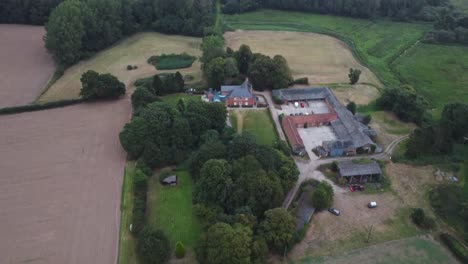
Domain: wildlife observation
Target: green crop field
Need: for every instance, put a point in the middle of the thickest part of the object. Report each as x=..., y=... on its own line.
x=408, y=251
x=170, y=209
x=375, y=44
x=438, y=72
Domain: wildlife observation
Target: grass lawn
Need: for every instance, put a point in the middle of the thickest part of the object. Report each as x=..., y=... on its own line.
x=256, y=122
x=438, y=72
x=174, y=98
x=170, y=209
x=412, y=251
x=375, y=44
x=127, y=253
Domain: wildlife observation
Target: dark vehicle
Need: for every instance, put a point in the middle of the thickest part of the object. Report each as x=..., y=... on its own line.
x=334, y=211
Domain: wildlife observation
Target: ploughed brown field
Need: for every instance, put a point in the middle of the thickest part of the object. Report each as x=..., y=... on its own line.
x=25, y=65
x=60, y=184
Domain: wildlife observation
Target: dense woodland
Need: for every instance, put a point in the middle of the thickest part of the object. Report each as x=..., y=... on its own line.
x=397, y=9
x=76, y=29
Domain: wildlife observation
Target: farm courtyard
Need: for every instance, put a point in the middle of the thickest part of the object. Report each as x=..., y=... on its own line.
x=61, y=184
x=25, y=65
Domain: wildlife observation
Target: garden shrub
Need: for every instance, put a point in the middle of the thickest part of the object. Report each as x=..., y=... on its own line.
x=304, y=81
x=179, y=250
x=455, y=246
x=172, y=61
x=420, y=218
x=153, y=246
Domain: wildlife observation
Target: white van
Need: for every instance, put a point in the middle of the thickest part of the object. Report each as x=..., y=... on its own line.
x=296, y=104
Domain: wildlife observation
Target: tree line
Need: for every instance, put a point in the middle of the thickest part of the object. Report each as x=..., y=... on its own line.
x=450, y=27
x=222, y=66
x=76, y=29
x=396, y=9
x=34, y=12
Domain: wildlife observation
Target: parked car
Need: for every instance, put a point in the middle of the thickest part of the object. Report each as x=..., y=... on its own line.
x=372, y=205
x=358, y=187
x=296, y=104
x=301, y=113
x=302, y=104
x=334, y=211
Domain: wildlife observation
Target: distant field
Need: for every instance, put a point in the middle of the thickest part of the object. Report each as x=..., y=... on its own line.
x=438, y=72
x=61, y=184
x=416, y=250
x=256, y=122
x=374, y=43
x=323, y=59
x=134, y=50
x=461, y=4
x=25, y=65
x=170, y=209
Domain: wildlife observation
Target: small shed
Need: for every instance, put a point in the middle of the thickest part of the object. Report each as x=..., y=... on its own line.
x=359, y=172
x=170, y=180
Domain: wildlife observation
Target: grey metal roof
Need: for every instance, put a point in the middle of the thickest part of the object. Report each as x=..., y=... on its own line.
x=350, y=168
x=338, y=144
x=346, y=127
x=305, y=210
x=170, y=179
x=238, y=91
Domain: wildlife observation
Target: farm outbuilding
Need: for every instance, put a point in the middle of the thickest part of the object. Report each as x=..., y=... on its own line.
x=359, y=172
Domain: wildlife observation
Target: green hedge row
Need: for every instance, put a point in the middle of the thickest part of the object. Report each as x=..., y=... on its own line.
x=457, y=248
x=38, y=107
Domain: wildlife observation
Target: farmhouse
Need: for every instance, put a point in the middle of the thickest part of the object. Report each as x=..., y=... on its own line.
x=234, y=95
x=350, y=135
x=359, y=172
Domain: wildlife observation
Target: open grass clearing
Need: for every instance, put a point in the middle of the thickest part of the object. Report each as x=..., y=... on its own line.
x=374, y=43
x=415, y=250
x=322, y=59
x=61, y=183
x=134, y=50
x=389, y=127
x=438, y=72
x=361, y=94
x=170, y=209
x=25, y=65
x=255, y=122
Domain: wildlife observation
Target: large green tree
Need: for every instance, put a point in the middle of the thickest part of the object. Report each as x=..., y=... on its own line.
x=224, y=244
x=215, y=183
x=268, y=73
x=153, y=246
x=65, y=31
x=277, y=229
x=322, y=197
x=243, y=57
x=101, y=86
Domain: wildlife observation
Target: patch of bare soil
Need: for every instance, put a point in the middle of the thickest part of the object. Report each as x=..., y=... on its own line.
x=25, y=65
x=62, y=172
x=329, y=234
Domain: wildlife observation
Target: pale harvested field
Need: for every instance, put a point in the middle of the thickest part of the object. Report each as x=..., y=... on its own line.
x=60, y=188
x=361, y=94
x=134, y=50
x=323, y=59
x=25, y=65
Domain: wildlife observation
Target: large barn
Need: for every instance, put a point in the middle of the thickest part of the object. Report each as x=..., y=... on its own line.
x=359, y=172
x=351, y=135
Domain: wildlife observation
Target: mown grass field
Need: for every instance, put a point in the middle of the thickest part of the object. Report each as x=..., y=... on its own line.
x=255, y=122
x=416, y=250
x=173, y=99
x=134, y=50
x=170, y=209
x=375, y=44
x=438, y=72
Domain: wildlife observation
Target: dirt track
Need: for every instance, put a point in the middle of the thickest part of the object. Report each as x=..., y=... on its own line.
x=25, y=65
x=60, y=184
